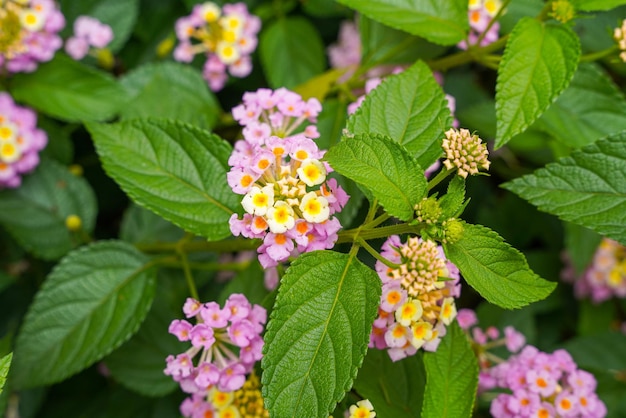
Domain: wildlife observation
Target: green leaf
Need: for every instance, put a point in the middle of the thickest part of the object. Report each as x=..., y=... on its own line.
x=170, y=90
x=538, y=63
x=452, y=377
x=453, y=201
x=34, y=214
x=590, y=108
x=69, y=90
x=409, y=107
x=496, y=270
x=60, y=146
x=599, y=352
x=318, y=333
x=92, y=302
x=592, y=5
x=396, y=389
x=442, y=22
x=139, y=363
x=587, y=188
x=141, y=226
x=174, y=169
x=581, y=244
x=5, y=364
x=291, y=51
x=383, y=167
x=250, y=281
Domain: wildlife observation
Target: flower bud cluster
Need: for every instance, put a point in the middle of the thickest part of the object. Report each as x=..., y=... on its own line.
x=246, y=402
x=289, y=202
x=480, y=14
x=225, y=344
x=605, y=277
x=28, y=33
x=227, y=36
x=20, y=141
x=88, y=32
x=416, y=306
x=465, y=152
x=619, y=34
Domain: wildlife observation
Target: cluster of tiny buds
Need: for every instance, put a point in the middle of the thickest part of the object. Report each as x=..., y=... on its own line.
x=465, y=152
x=429, y=211
x=619, y=34
x=88, y=32
x=28, y=33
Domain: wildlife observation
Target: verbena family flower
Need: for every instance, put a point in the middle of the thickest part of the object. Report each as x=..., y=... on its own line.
x=619, y=34
x=28, y=33
x=289, y=203
x=226, y=36
x=88, y=32
x=605, y=278
x=417, y=301
x=225, y=342
x=465, y=152
x=362, y=409
x=537, y=384
x=480, y=14
x=20, y=141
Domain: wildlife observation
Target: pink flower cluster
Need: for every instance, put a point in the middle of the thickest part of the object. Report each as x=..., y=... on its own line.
x=88, y=32
x=481, y=13
x=346, y=52
x=227, y=342
x=415, y=306
x=227, y=36
x=605, y=277
x=289, y=202
x=20, y=141
x=29, y=33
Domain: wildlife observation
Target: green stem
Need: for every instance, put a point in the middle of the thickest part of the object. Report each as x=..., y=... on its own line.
x=595, y=56
x=373, y=224
x=186, y=269
x=493, y=21
x=375, y=253
x=371, y=212
x=226, y=246
x=463, y=57
x=351, y=235
x=439, y=178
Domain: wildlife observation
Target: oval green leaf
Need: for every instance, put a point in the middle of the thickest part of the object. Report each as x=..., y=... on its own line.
x=411, y=109
x=92, y=302
x=441, y=21
x=174, y=169
x=34, y=214
x=5, y=364
x=539, y=62
x=71, y=91
x=291, y=51
x=383, y=167
x=452, y=377
x=587, y=188
x=318, y=333
x=499, y=272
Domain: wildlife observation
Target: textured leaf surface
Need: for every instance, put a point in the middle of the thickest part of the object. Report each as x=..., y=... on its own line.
x=383, y=167
x=291, y=51
x=71, y=91
x=5, y=364
x=587, y=188
x=170, y=90
x=173, y=169
x=92, y=302
x=496, y=270
x=443, y=22
x=35, y=213
x=590, y=5
x=411, y=109
x=603, y=351
x=396, y=388
x=538, y=64
x=318, y=333
x=452, y=377
x=590, y=108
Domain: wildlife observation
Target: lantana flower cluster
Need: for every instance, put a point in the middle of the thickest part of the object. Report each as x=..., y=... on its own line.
x=246, y=402
x=465, y=152
x=288, y=200
x=28, y=33
x=88, y=32
x=537, y=384
x=225, y=345
x=480, y=14
x=605, y=278
x=417, y=301
x=20, y=141
x=227, y=36
x=362, y=409
x=619, y=34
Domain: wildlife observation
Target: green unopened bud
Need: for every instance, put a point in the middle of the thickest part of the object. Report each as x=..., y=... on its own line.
x=452, y=230
x=73, y=223
x=105, y=58
x=563, y=11
x=428, y=210
x=10, y=32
